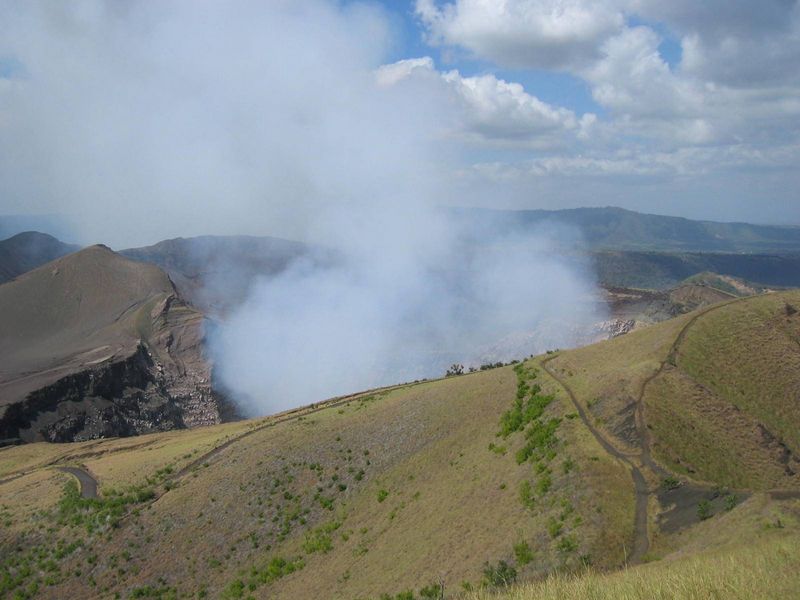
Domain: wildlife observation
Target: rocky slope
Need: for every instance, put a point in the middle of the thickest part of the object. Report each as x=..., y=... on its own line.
x=96, y=345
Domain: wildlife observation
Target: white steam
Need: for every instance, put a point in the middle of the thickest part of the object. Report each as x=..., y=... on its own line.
x=144, y=121
x=394, y=311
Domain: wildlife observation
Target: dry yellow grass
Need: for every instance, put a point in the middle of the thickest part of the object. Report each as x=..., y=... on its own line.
x=748, y=353
x=699, y=434
x=451, y=504
x=767, y=570
x=607, y=377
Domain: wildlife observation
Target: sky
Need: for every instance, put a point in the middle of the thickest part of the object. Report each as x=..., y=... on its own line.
x=134, y=117
x=686, y=108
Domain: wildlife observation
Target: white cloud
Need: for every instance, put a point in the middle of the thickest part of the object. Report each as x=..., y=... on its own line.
x=545, y=34
x=388, y=75
x=738, y=80
x=491, y=110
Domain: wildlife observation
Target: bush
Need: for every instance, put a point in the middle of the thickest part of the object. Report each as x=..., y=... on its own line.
x=704, y=510
x=543, y=484
x=382, y=495
x=523, y=553
x=554, y=528
x=526, y=495
x=567, y=544
x=275, y=569
x=541, y=439
x=432, y=591
x=501, y=450
x=500, y=575
x=455, y=369
x=670, y=483
x=319, y=539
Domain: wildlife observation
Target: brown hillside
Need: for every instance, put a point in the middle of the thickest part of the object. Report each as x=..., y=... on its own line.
x=90, y=332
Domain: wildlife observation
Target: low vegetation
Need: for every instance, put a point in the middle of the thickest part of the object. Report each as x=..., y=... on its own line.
x=766, y=570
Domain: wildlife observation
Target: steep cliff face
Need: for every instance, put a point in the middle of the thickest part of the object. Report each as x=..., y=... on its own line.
x=96, y=345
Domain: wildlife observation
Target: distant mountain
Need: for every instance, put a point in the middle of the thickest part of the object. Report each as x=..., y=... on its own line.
x=59, y=226
x=613, y=228
x=215, y=272
x=97, y=345
x=28, y=250
x=660, y=270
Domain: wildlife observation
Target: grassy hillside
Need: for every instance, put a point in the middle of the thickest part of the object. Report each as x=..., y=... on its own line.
x=569, y=465
x=768, y=570
x=369, y=496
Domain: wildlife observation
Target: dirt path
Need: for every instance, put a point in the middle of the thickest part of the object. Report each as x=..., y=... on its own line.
x=641, y=541
x=671, y=359
x=87, y=482
x=641, y=487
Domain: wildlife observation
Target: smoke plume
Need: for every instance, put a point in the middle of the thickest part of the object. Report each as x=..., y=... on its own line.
x=143, y=121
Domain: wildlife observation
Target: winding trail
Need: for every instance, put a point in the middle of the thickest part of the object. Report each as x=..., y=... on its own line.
x=87, y=482
x=642, y=489
x=641, y=541
x=671, y=359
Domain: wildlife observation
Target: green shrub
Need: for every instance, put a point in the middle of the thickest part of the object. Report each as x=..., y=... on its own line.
x=501, y=450
x=162, y=593
x=554, y=527
x=540, y=440
x=670, y=483
x=567, y=544
x=526, y=495
x=382, y=495
x=500, y=575
x=272, y=571
x=319, y=539
x=523, y=553
x=543, y=484
x=704, y=510
x=432, y=591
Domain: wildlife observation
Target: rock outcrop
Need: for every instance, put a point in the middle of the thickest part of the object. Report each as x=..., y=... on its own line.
x=96, y=345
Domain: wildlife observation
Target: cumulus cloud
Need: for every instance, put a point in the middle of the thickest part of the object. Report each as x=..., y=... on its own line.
x=491, y=110
x=545, y=34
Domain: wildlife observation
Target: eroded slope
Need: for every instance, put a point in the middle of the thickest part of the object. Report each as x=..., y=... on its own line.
x=95, y=345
